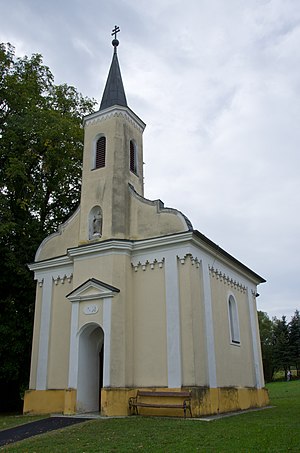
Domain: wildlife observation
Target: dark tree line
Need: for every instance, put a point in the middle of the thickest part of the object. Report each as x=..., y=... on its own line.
x=41, y=144
x=280, y=344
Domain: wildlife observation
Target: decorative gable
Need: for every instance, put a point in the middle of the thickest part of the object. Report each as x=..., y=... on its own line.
x=92, y=289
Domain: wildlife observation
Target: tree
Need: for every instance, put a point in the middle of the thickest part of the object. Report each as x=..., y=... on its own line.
x=266, y=340
x=294, y=336
x=41, y=144
x=281, y=344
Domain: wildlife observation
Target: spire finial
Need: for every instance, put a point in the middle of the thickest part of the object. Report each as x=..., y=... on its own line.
x=114, y=93
x=115, y=41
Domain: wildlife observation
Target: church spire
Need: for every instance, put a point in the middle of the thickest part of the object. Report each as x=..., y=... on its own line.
x=114, y=93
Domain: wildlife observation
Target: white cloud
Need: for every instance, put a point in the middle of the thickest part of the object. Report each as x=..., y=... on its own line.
x=218, y=85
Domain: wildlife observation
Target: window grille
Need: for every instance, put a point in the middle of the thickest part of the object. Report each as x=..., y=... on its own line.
x=100, y=152
x=133, y=157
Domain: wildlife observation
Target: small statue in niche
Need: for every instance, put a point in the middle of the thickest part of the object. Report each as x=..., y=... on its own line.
x=97, y=224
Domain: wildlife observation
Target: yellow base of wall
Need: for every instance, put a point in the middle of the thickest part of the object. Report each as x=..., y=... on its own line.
x=114, y=401
x=50, y=402
x=205, y=401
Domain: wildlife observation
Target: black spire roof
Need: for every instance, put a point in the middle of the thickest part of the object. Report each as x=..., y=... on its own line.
x=114, y=93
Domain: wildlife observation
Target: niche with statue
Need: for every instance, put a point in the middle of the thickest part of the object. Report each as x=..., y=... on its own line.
x=95, y=223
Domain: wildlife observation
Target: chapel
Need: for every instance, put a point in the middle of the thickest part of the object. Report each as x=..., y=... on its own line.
x=131, y=297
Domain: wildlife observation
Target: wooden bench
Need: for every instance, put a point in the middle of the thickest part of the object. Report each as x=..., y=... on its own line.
x=142, y=399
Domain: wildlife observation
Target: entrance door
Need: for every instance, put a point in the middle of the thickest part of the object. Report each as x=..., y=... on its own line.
x=90, y=368
x=101, y=354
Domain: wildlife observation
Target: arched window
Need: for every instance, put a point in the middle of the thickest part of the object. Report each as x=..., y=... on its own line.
x=133, y=157
x=100, y=152
x=233, y=320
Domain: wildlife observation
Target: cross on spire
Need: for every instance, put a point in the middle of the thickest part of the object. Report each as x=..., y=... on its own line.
x=114, y=93
x=115, y=31
x=115, y=42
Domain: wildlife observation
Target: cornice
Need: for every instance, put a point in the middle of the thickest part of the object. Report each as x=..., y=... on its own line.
x=113, y=111
x=63, y=278
x=148, y=265
x=150, y=252
x=193, y=260
x=117, y=246
x=130, y=247
x=226, y=279
x=50, y=264
x=163, y=241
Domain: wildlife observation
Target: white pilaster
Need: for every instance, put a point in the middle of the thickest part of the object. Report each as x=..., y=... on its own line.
x=210, y=341
x=173, y=321
x=74, y=342
x=259, y=380
x=42, y=365
x=107, y=303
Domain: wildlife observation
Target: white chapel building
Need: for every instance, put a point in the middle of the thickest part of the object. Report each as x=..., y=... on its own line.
x=130, y=297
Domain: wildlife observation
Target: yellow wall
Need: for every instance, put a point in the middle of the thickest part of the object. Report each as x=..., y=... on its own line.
x=234, y=363
x=147, y=220
x=59, y=336
x=111, y=269
x=100, y=186
x=205, y=401
x=149, y=327
x=193, y=345
x=50, y=401
x=114, y=402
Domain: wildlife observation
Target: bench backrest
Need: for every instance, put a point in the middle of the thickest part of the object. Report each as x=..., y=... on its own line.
x=166, y=394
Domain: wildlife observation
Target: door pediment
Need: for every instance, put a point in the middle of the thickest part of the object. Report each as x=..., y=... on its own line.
x=92, y=289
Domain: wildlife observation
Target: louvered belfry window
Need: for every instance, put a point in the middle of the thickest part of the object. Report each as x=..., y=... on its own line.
x=133, y=159
x=100, y=152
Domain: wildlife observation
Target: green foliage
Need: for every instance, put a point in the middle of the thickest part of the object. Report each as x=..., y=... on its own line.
x=41, y=144
x=266, y=339
x=271, y=430
x=280, y=344
x=294, y=337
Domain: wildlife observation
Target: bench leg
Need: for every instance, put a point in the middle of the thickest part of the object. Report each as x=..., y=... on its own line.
x=185, y=406
x=132, y=407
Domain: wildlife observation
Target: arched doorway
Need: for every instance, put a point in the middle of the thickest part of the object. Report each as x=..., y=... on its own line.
x=90, y=368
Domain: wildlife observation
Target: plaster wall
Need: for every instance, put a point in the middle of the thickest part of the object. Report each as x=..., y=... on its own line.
x=36, y=336
x=96, y=318
x=58, y=362
x=149, y=327
x=111, y=269
x=193, y=333
x=234, y=362
x=150, y=219
x=50, y=401
x=108, y=186
x=205, y=401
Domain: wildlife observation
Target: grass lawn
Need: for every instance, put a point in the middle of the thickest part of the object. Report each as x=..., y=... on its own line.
x=271, y=430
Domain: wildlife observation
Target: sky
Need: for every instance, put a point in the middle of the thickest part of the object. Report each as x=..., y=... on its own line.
x=218, y=84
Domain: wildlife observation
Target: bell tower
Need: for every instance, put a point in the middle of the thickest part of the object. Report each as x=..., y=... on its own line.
x=112, y=162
